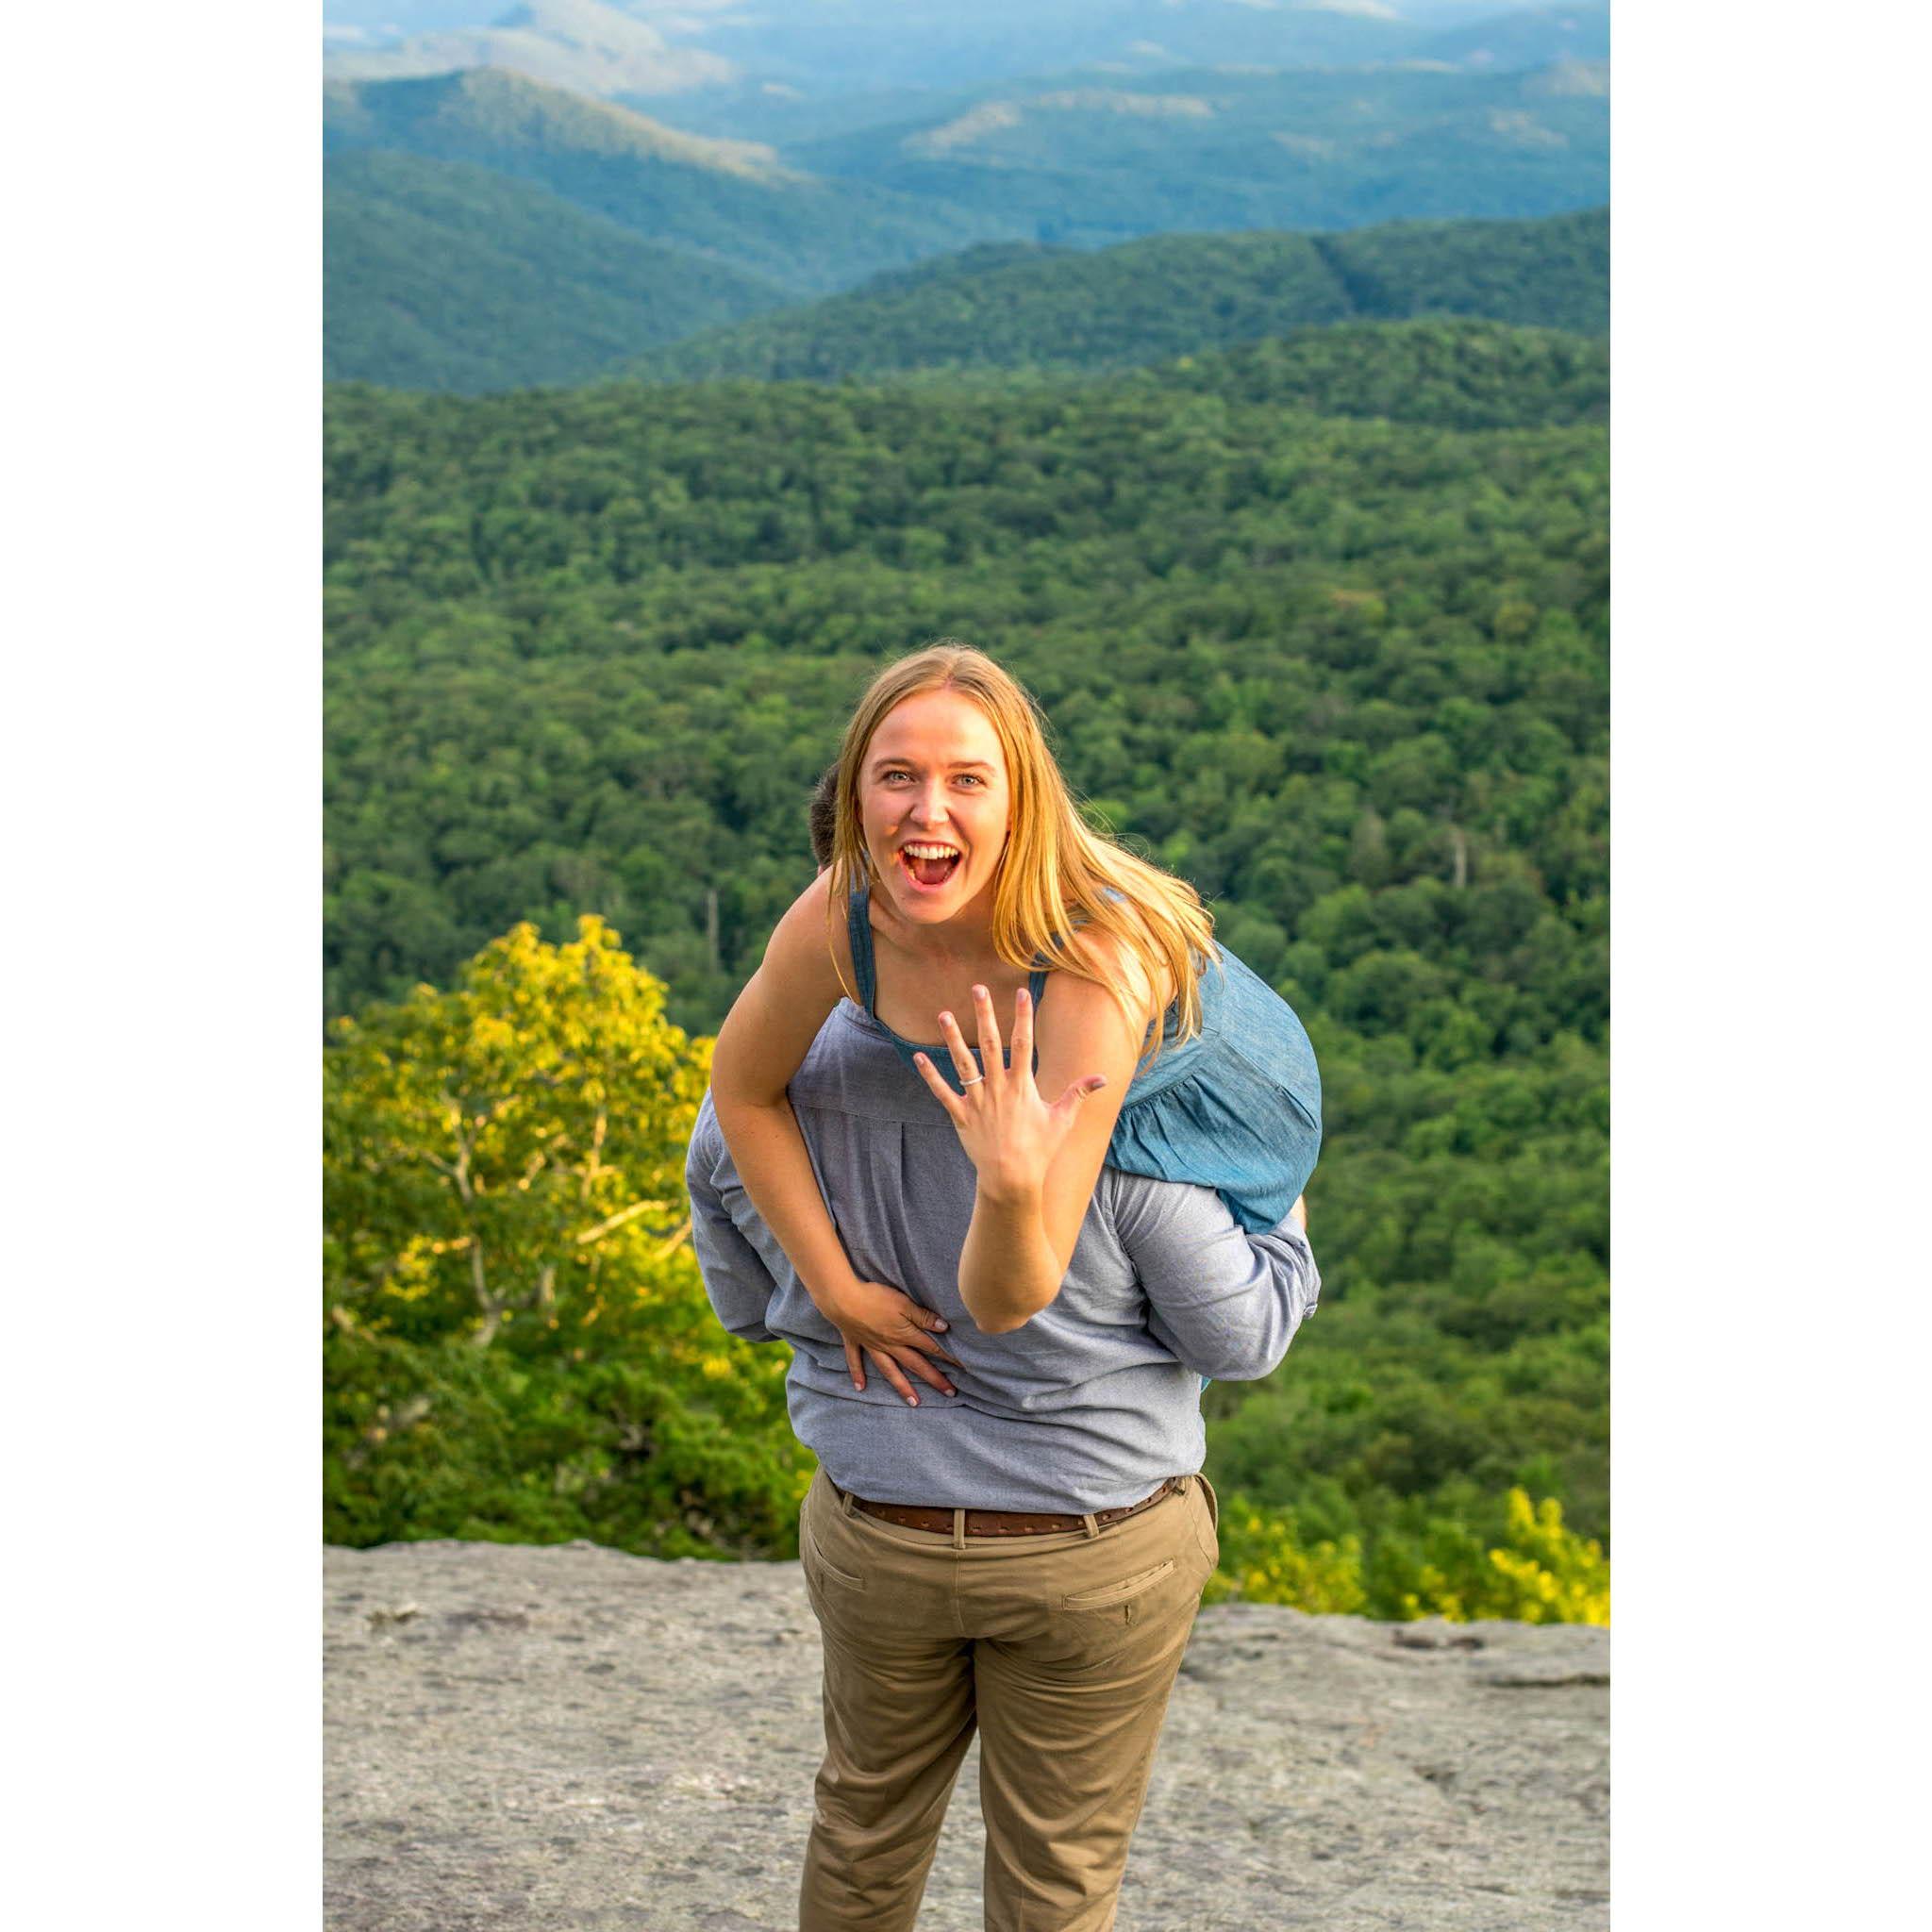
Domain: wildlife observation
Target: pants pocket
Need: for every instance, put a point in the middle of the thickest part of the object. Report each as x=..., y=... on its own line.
x=1107, y=1594
x=812, y=1556
x=816, y=1567
x=1213, y=1502
x=1209, y=1543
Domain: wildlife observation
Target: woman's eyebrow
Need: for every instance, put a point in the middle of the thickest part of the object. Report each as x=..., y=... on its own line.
x=956, y=764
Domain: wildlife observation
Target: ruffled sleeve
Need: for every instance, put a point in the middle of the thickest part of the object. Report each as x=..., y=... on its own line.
x=1238, y=1108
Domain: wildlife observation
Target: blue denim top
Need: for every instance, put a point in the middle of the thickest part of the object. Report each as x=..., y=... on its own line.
x=1237, y=1108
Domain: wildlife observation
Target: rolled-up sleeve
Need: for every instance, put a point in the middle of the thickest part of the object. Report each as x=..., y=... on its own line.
x=736, y=1281
x=1223, y=1302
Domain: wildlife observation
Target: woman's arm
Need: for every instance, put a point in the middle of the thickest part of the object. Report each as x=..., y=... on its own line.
x=1036, y=1163
x=762, y=1044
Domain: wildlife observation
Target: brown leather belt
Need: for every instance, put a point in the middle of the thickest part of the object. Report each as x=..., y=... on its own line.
x=1002, y=1522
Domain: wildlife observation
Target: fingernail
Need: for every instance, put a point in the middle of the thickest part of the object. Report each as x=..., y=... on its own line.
x=940, y=1321
x=944, y=1018
x=1022, y=998
x=979, y=993
x=919, y=1059
x=912, y=1402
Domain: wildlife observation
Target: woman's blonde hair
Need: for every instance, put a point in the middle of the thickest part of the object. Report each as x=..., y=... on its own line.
x=1054, y=871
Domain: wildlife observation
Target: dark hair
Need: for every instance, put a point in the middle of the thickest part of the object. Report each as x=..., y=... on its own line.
x=823, y=814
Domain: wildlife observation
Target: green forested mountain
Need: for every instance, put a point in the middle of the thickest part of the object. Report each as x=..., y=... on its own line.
x=1099, y=158
x=440, y=275
x=463, y=115
x=1453, y=375
x=731, y=202
x=1548, y=273
x=1008, y=305
x=1085, y=162
x=588, y=650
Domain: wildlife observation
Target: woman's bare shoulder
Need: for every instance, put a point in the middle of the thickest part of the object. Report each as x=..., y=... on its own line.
x=1081, y=1017
x=1119, y=963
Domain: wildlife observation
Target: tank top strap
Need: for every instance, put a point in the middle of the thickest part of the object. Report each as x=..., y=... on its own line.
x=859, y=924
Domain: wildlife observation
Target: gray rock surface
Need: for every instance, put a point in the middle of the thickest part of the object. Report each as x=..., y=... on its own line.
x=569, y=1738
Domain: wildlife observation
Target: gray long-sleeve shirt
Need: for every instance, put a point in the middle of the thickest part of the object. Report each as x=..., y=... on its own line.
x=1088, y=1406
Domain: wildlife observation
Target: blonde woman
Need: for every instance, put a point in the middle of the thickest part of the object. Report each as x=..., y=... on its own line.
x=963, y=885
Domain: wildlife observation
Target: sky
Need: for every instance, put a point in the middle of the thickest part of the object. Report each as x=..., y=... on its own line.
x=373, y=22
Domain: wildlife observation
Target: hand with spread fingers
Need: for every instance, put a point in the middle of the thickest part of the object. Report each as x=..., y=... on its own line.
x=875, y=1319
x=1008, y=1130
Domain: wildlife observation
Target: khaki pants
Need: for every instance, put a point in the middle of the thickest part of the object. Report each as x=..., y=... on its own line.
x=1061, y=1650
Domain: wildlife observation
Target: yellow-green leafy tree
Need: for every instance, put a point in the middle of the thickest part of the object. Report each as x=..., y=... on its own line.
x=517, y=1342
x=1542, y=1571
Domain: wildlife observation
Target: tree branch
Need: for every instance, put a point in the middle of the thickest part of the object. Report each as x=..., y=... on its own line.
x=617, y=1220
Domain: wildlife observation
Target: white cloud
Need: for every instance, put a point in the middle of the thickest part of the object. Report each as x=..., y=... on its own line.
x=686, y=16
x=1372, y=9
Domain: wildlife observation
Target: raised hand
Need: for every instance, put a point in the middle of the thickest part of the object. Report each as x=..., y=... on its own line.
x=1007, y=1129
x=875, y=1319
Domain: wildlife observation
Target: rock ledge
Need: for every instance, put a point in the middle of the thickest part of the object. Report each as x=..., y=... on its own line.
x=569, y=1738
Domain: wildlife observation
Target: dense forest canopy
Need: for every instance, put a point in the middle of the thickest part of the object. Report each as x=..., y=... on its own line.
x=1007, y=306
x=659, y=546
x=1321, y=626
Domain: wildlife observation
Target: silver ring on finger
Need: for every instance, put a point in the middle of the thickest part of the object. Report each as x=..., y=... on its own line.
x=975, y=1081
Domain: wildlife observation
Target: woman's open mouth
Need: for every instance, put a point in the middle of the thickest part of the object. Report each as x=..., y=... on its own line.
x=928, y=864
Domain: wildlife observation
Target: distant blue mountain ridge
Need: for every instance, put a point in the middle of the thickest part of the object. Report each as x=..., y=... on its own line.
x=735, y=69
x=485, y=229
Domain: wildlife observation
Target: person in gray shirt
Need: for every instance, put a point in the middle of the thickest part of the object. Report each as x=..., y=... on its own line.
x=1019, y=1549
